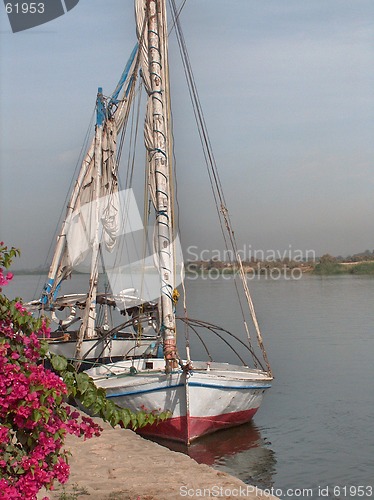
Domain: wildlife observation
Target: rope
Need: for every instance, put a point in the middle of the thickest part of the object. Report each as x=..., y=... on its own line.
x=215, y=181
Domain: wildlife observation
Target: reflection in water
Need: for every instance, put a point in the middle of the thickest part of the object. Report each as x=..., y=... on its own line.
x=240, y=451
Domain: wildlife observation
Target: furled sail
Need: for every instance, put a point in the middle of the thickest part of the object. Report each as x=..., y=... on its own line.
x=152, y=40
x=79, y=227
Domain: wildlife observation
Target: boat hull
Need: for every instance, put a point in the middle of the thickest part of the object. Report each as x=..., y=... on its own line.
x=211, y=397
x=188, y=428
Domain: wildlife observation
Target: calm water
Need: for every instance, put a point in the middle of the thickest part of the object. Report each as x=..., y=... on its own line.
x=315, y=428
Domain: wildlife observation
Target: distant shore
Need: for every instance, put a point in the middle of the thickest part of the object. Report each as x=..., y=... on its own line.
x=327, y=266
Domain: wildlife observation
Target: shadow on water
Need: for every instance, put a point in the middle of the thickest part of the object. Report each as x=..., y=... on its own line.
x=240, y=451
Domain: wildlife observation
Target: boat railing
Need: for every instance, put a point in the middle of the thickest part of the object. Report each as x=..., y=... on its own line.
x=200, y=328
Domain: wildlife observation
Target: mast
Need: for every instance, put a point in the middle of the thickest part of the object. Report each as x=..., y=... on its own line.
x=87, y=328
x=159, y=156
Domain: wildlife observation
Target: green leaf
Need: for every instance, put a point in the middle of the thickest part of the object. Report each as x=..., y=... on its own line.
x=116, y=417
x=125, y=418
x=141, y=419
x=83, y=382
x=107, y=410
x=96, y=408
x=36, y=415
x=151, y=419
x=44, y=348
x=164, y=415
x=59, y=363
x=89, y=398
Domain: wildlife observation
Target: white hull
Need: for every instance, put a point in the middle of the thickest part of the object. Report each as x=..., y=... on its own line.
x=210, y=397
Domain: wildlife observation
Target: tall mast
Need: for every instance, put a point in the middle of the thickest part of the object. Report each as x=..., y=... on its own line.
x=159, y=99
x=87, y=328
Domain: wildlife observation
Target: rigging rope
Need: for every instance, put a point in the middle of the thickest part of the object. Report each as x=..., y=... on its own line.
x=215, y=181
x=176, y=16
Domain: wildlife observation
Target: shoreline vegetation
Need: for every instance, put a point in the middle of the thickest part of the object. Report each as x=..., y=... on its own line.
x=358, y=264
x=326, y=265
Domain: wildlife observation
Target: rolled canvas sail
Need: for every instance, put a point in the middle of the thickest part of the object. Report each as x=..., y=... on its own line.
x=63, y=262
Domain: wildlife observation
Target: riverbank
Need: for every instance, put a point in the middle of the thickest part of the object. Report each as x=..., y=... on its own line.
x=354, y=268
x=277, y=269
x=120, y=465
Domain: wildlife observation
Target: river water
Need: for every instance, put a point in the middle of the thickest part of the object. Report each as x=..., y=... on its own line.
x=315, y=429
x=313, y=436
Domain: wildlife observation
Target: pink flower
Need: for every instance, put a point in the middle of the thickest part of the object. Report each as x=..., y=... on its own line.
x=20, y=308
x=4, y=434
x=62, y=471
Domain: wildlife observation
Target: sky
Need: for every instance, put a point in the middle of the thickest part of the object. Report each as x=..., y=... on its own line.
x=287, y=89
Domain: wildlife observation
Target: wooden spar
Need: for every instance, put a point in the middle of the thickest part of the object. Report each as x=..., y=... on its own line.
x=156, y=10
x=61, y=241
x=87, y=328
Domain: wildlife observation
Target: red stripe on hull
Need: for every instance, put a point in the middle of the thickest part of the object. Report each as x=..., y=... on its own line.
x=186, y=429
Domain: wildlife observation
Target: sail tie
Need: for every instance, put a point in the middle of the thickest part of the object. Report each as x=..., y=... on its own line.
x=162, y=213
x=154, y=92
x=158, y=150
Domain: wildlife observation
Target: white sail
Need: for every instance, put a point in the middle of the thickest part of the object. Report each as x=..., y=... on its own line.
x=152, y=39
x=115, y=117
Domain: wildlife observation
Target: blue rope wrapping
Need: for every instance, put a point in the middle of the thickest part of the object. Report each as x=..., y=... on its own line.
x=161, y=173
x=154, y=92
x=168, y=293
x=156, y=62
x=159, y=132
x=154, y=32
x=163, y=192
x=156, y=98
x=156, y=74
x=163, y=213
x=158, y=150
x=154, y=151
x=155, y=48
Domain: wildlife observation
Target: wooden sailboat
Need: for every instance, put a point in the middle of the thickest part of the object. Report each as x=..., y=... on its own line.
x=203, y=396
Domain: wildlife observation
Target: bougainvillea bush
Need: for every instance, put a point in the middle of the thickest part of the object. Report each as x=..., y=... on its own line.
x=34, y=416
x=34, y=419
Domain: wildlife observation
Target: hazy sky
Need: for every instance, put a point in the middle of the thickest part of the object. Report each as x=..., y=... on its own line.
x=287, y=87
